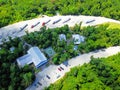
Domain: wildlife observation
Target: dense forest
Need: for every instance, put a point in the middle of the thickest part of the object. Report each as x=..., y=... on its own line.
x=64, y=50
x=14, y=78
x=99, y=74
x=99, y=37
x=11, y=76
x=12, y=11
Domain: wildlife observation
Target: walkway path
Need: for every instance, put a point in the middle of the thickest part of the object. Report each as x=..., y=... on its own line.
x=54, y=74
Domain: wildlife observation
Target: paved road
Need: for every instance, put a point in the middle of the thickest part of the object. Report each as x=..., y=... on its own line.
x=18, y=29
x=54, y=74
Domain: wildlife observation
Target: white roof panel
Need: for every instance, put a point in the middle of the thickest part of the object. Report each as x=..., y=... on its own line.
x=26, y=59
x=62, y=37
x=77, y=38
x=37, y=55
x=34, y=56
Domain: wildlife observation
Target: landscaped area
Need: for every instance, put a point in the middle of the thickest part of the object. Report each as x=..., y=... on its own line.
x=64, y=49
x=35, y=53
x=23, y=10
x=99, y=74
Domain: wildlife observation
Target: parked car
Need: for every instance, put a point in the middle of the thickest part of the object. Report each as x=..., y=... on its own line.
x=0, y=36
x=47, y=76
x=36, y=85
x=47, y=21
x=67, y=20
x=103, y=50
x=39, y=83
x=78, y=54
x=32, y=26
x=58, y=76
x=90, y=21
x=59, y=69
x=56, y=21
x=13, y=32
x=43, y=24
x=23, y=27
x=36, y=24
x=62, y=68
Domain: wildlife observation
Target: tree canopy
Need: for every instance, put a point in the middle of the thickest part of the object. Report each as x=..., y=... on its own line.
x=99, y=74
x=12, y=76
x=12, y=11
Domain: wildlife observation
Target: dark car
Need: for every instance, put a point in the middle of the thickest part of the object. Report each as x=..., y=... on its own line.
x=103, y=50
x=62, y=68
x=39, y=83
x=58, y=76
x=59, y=69
x=36, y=85
x=47, y=21
x=0, y=36
x=23, y=27
x=36, y=24
x=90, y=21
x=13, y=32
x=56, y=21
x=43, y=24
x=32, y=26
x=67, y=20
x=47, y=76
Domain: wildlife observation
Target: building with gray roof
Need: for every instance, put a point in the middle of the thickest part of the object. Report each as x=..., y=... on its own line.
x=62, y=37
x=77, y=38
x=34, y=56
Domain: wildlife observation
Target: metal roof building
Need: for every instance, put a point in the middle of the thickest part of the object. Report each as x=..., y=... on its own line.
x=77, y=38
x=34, y=56
x=62, y=37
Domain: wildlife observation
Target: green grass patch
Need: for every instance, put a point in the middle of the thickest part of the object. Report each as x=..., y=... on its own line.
x=112, y=25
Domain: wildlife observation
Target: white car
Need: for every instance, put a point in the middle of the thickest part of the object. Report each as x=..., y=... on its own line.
x=58, y=76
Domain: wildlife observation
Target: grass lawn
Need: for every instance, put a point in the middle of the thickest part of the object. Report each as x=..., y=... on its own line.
x=113, y=25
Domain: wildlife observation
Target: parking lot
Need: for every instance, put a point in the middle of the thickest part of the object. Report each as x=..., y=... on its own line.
x=18, y=29
x=52, y=73
x=48, y=75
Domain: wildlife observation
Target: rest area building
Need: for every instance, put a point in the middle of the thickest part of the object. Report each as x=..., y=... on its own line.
x=34, y=56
